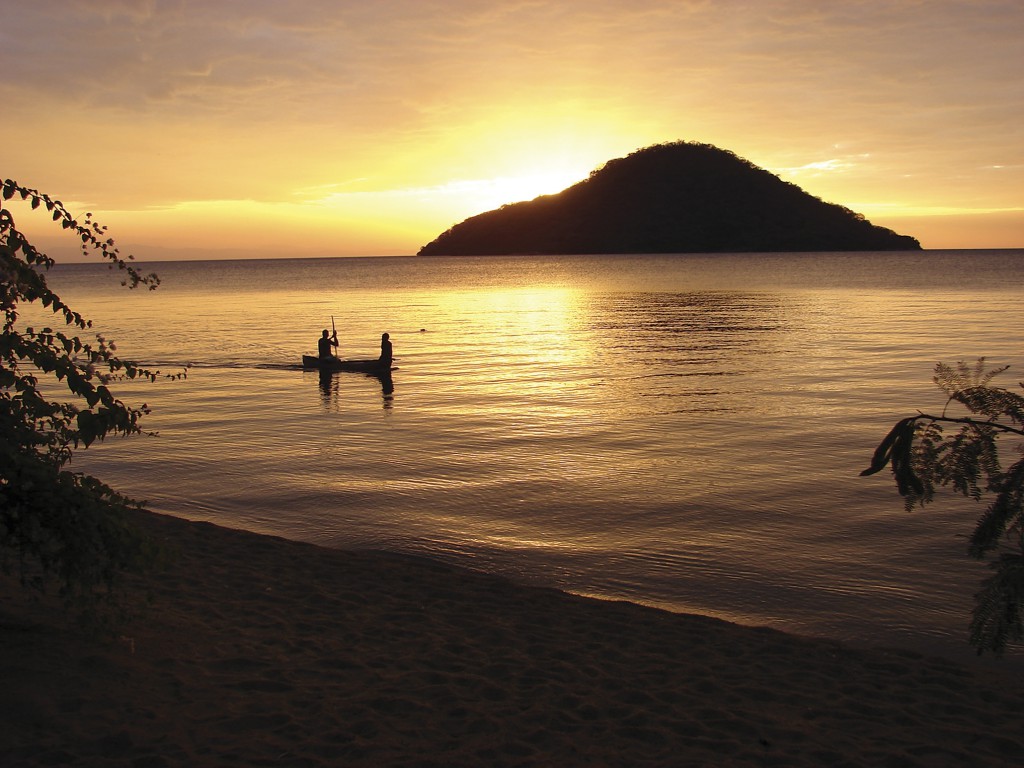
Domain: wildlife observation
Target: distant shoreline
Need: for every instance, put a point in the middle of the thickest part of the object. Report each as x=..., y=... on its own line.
x=71, y=261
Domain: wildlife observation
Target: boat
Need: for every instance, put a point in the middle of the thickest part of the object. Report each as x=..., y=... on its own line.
x=369, y=365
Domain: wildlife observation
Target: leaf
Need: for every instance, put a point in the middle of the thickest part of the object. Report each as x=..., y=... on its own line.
x=907, y=482
x=883, y=452
x=87, y=427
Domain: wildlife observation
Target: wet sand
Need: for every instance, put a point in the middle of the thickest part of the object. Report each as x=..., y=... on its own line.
x=261, y=651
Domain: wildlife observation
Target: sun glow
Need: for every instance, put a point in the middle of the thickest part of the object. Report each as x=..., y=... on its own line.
x=487, y=194
x=522, y=323
x=524, y=150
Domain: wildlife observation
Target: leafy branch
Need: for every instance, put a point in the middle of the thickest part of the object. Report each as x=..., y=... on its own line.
x=54, y=522
x=924, y=458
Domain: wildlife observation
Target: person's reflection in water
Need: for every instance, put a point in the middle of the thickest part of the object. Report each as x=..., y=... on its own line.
x=328, y=389
x=386, y=358
x=387, y=388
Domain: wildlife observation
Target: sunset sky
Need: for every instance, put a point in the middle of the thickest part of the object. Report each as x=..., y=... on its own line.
x=337, y=128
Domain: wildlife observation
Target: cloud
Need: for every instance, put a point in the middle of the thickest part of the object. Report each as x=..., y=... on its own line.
x=355, y=64
x=140, y=103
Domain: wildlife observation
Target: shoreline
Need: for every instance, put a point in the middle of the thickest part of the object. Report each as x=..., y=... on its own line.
x=259, y=650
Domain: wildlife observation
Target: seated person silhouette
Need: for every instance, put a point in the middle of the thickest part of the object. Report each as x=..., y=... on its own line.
x=386, y=355
x=325, y=343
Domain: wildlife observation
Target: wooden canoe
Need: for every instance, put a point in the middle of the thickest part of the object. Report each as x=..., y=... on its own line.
x=370, y=365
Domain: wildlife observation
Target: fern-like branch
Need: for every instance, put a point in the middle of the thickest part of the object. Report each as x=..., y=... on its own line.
x=997, y=619
x=1004, y=516
x=922, y=458
x=974, y=422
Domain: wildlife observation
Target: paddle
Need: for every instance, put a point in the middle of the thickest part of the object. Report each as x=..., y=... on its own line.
x=335, y=331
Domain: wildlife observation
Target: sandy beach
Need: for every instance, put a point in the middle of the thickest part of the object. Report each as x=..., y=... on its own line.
x=262, y=651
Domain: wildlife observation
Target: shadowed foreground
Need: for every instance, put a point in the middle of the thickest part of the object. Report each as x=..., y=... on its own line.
x=262, y=651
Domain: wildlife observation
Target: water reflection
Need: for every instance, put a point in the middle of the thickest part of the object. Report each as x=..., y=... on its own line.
x=330, y=390
x=692, y=351
x=507, y=328
x=387, y=389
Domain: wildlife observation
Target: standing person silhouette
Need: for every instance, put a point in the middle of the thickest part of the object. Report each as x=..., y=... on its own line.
x=386, y=355
x=325, y=343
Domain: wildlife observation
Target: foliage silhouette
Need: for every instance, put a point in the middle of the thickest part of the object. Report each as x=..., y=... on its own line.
x=923, y=457
x=56, y=524
x=680, y=197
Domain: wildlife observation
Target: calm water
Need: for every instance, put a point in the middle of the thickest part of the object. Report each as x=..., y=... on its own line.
x=681, y=431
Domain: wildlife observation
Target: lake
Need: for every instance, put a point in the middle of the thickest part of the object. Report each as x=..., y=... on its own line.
x=683, y=431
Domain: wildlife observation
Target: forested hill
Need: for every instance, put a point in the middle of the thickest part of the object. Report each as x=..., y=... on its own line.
x=670, y=198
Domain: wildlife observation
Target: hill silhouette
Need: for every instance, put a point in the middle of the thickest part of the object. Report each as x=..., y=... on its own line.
x=682, y=197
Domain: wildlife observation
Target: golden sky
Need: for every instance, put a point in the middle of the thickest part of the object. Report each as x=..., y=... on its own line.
x=202, y=128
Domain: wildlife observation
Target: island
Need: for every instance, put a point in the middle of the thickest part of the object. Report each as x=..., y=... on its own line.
x=680, y=197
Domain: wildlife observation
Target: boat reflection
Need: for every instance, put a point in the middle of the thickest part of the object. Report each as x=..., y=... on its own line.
x=330, y=391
